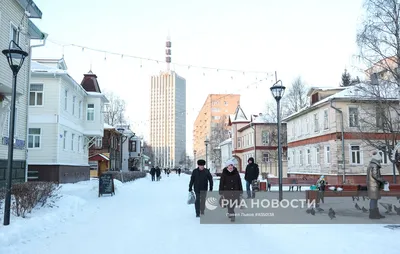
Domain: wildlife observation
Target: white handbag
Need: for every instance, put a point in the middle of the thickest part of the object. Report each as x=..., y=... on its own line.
x=386, y=186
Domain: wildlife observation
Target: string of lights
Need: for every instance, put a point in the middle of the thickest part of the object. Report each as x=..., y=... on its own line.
x=189, y=66
x=145, y=122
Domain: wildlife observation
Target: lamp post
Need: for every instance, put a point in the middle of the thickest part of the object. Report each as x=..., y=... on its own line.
x=277, y=91
x=252, y=125
x=194, y=158
x=206, y=142
x=15, y=57
x=121, y=130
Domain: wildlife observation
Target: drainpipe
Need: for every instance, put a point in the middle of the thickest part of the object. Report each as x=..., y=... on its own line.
x=344, y=164
x=27, y=115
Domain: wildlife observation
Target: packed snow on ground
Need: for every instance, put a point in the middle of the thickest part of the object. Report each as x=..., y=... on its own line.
x=153, y=217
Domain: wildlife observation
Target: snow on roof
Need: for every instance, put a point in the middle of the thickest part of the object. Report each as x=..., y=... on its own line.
x=312, y=89
x=107, y=126
x=240, y=116
x=357, y=92
x=229, y=140
x=38, y=67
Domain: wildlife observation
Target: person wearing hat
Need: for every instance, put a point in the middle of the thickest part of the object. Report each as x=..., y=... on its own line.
x=230, y=187
x=252, y=172
x=199, y=182
x=375, y=184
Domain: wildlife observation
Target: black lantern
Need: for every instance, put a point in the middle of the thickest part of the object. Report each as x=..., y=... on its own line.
x=278, y=90
x=15, y=56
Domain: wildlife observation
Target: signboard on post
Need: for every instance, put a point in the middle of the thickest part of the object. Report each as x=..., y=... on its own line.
x=106, y=184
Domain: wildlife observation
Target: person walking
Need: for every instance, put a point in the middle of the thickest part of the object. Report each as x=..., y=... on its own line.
x=153, y=173
x=230, y=188
x=375, y=184
x=158, y=173
x=179, y=171
x=251, y=174
x=199, y=181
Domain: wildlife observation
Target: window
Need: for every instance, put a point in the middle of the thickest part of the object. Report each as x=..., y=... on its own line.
x=34, y=138
x=99, y=142
x=215, y=103
x=239, y=142
x=79, y=143
x=266, y=157
x=307, y=126
x=73, y=104
x=225, y=102
x=355, y=154
x=90, y=112
x=14, y=34
x=294, y=158
x=317, y=158
x=265, y=137
x=326, y=119
x=308, y=156
x=65, y=140
x=316, y=122
x=72, y=141
x=353, y=117
x=36, y=95
x=384, y=157
x=327, y=154
x=301, y=158
x=216, y=117
x=80, y=109
x=380, y=116
x=215, y=110
x=65, y=99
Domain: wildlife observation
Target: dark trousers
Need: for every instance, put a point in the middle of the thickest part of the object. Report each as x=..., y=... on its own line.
x=373, y=203
x=200, y=203
x=153, y=177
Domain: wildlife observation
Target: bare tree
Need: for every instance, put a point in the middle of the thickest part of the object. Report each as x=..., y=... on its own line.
x=115, y=111
x=148, y=151
x=378, y=117
x=379, y=38
x=219, y=133
x=189, y=162
x=294, y=99
x=379, y=43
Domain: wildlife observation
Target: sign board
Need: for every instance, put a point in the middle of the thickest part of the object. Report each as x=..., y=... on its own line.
x=106, y=184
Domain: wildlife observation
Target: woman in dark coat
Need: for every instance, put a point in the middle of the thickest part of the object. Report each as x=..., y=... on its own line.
x=230, y=187
x=375, y=184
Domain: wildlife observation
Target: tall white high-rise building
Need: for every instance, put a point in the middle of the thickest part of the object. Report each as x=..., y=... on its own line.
x=168, y=116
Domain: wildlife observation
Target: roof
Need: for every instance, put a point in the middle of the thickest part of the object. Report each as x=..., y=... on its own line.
x=229, y=140
x=35, y=32
x=356, y=92
x=240, y=116
x=90, y=83
x=99, y=156
x=323, y=89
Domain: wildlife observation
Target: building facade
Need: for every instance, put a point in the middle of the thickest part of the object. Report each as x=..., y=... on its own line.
x=212, y=124
x=316, y=142
x=64, y=121
x=168, y=118
x=254, y=137
x=16, y=26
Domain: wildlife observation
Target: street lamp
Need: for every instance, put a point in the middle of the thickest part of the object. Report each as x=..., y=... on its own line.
x=121, y=130
x=277, y=91
x=206, y=142
x=15, y=57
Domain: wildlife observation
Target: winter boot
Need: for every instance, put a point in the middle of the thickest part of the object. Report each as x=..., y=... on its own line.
x=372, y=214
x=232, y=218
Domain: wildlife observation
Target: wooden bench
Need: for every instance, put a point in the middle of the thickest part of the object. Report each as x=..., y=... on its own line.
x=348, y=191
x=291, y=182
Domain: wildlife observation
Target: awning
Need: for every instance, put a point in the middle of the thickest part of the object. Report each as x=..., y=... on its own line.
x=34, y=31
x=33, y=10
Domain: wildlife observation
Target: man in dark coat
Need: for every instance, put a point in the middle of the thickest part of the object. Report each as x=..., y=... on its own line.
x=252, y=172
x=179, y=171
x=199, y=181
x=152, y=173
x=230, y=187
x=375, y=184
x=158, y=173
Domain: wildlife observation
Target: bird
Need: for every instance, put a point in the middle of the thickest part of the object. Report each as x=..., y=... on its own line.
x=363, y=198
x=357, y=207
x=358, y=198
x=320, y=209
x=331, y=213
x=353, y=198
x=339, y=189
x=387, y=206
x=308, y=210
x=364, y=209
x=396, y=209
x=312, y=211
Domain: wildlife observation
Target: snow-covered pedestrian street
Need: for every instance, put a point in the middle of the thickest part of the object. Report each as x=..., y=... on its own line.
x=153, y=217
